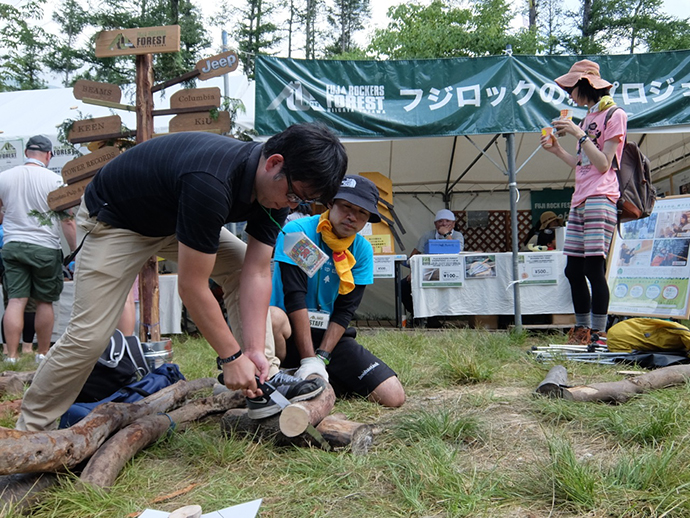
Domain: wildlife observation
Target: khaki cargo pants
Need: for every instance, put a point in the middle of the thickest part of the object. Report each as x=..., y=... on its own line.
x=106, y=268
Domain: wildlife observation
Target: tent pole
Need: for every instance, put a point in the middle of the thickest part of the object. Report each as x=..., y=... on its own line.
x=512, y=183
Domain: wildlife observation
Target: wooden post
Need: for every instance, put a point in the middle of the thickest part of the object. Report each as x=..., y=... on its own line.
x=149, y=308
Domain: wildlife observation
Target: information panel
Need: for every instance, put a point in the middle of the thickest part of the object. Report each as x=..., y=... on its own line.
x=648, y=268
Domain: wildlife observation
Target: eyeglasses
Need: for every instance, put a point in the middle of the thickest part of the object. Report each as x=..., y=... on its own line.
x=291, y=196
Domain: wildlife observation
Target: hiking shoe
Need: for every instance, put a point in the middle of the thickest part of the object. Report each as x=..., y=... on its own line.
x=579, y=335
x=294, y=389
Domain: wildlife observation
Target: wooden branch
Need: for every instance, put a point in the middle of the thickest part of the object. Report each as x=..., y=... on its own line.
x=622, y=391
x=107, y=136
x=11, y=385
x=170, y=82
x=109, y=104
x=187, y=109
x=26, y=452
x=106, y=464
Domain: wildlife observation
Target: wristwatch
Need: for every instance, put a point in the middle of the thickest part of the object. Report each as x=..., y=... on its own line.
x=222, y=361
x=324, y=355
x=582, y=140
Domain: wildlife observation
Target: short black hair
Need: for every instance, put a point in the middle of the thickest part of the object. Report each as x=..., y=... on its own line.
x=586, y=90
x=312, y=154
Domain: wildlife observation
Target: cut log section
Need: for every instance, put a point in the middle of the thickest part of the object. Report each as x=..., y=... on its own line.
x=339, y=432
x=555, y=383
x=296, y=418
x=188, y=511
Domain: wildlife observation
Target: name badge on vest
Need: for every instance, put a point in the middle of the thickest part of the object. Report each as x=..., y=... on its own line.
x=318, y=319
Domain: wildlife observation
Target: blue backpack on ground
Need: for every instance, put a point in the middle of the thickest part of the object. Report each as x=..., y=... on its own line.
x=155, y=380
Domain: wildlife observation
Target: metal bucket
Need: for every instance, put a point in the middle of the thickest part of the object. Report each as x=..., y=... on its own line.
x=157, y=353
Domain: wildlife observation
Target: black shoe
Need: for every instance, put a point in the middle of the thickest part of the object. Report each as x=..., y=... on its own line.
x=294, y=389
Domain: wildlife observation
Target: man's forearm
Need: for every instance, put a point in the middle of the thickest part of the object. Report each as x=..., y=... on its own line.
x=301, y=332
x=332, y=336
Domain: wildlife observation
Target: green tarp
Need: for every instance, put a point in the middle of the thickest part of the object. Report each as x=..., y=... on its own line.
x=460, y=96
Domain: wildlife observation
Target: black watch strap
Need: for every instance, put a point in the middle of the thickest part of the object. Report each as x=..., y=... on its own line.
x=222, y=361
x=324, y=355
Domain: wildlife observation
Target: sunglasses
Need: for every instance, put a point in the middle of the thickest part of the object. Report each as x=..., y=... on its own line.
x=291, y=196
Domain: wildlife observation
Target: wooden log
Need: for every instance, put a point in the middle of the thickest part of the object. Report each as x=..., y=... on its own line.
x=295, y=418
x=340, y=432
x=11, y=385
x=237, y=422
x=622, y=391
x=554, y=383
x=27, y=452
x=106, y=464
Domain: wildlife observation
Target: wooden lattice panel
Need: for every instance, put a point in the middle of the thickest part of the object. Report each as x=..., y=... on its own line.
x=495, y=236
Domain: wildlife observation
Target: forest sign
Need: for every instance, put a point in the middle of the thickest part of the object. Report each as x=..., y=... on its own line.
x=145, y=40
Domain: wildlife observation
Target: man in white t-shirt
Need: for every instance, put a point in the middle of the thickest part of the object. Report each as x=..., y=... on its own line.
x=32, y=252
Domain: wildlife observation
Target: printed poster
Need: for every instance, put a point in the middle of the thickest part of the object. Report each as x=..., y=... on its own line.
x=538, y=269
x=648, y=269
x=442, y=271
x=480, y=266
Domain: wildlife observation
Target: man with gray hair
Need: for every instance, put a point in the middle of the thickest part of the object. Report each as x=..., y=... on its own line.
x=32, y=251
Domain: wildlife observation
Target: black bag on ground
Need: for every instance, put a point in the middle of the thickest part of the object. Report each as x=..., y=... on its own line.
x=121, y=363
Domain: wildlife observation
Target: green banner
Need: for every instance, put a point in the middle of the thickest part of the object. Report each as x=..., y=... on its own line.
x=460, y=96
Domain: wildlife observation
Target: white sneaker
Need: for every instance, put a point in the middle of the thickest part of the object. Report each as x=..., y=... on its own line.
x=39, y=358
x=10, y=360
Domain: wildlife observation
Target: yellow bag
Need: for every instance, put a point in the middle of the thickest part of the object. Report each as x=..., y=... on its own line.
x=647, y=334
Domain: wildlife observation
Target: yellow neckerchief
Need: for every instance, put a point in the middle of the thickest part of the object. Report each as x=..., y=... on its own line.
x=604, y=103
x=342, y=257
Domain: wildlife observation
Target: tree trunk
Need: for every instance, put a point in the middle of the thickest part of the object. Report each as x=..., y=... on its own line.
x=622, y=391
x=26, y=452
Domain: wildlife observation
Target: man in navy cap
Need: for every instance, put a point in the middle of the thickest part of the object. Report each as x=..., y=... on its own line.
x=32, y=251
x=311, y=315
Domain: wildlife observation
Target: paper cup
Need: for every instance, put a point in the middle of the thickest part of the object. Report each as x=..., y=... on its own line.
x=548, y=132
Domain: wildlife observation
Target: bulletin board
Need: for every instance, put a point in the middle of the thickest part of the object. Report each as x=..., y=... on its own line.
x=648, y=270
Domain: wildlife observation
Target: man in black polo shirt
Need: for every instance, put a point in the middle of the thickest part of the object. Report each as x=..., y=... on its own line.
x=170, y=197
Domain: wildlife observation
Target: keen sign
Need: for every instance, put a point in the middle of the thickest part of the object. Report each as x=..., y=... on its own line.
x=146, y=40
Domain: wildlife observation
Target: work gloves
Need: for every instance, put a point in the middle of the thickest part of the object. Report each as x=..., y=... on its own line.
x=312, y=365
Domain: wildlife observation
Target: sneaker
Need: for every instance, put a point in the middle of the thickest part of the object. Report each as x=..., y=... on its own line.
x=294, y=389
x=39, y=358
x=11, y=360
x=579, y=335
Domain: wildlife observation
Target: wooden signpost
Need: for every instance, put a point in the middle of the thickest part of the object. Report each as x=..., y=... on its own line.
x=192, y=107
x=217, y=65
x=196, y=97
x=87, y=165
x=137, y=42
x=101, y=128
x=201, y=122
x=84, y=89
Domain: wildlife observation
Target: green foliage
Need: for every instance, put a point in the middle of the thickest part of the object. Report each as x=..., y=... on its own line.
x=255, y=33
x=346, y=18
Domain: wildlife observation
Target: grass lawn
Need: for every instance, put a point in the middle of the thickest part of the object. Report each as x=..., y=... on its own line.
x=471, y=441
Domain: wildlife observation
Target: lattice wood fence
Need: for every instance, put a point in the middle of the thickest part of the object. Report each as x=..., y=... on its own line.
x=494, y=235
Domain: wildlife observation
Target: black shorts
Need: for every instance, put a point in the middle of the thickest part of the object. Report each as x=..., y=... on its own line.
x=353, y=370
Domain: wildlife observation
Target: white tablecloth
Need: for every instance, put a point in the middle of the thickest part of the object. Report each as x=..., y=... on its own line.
x=170, y=307
x=488, y=296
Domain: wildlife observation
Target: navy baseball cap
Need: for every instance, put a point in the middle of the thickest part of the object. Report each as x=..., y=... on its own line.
x=39, y=143
x=361, y=192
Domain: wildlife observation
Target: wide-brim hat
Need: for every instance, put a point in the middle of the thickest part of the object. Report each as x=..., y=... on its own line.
x=361, y=192
x=547, y=217
x=584, y=69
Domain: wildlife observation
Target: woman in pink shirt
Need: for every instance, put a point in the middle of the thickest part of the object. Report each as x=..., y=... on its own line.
x=593, y=214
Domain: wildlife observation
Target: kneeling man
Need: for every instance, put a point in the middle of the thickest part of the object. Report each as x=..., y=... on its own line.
x=311, y=315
